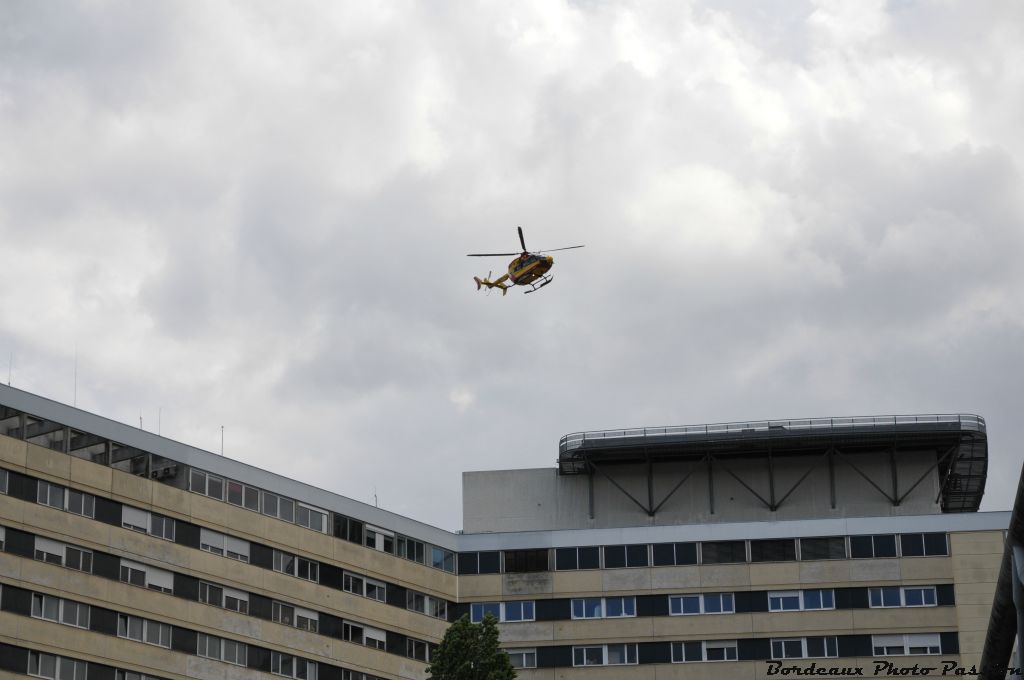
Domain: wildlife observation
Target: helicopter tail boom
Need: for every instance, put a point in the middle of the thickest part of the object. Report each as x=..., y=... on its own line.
x=500, y=283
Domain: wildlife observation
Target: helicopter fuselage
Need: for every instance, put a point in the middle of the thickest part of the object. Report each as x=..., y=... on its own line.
x=529, y=267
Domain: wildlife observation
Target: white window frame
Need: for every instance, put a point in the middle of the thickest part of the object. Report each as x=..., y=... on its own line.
x=804, y=652
x=312, y=513
x=290, y=615
x=221, y=645
x=153, y=578
x=63, y=607
x=60, y=663
x=135, y=519
x=727, y=645
x=211, y=541
x=503, y=608
x=206, y=476
x=49, y=489
x=629, y=651
x=906, y=642
x=165, y=521
x=599, y=614
x=902, y=596
x=277, y=660
x=279, y=565
x=48, y=546
x=702, y=599
x=801, y=596
x=380, y=538
x=527, y=657
x=375, y=637
x=411, y=645
x=280, y=502
x=146, y=627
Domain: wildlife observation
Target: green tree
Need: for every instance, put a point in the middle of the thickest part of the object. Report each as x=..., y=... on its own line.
x=469, y=651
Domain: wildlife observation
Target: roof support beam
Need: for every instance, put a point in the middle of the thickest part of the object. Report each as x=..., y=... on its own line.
x=868, y=479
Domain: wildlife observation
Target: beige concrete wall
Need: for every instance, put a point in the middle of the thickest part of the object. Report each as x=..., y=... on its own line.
x=976, y=557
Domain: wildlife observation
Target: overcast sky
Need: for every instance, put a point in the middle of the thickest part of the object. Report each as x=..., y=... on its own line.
x=256, y=215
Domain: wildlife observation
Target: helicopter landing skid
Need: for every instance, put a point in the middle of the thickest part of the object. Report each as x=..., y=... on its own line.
x=538, y=286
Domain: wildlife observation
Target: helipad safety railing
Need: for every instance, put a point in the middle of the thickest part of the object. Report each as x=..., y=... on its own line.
x=576, y=440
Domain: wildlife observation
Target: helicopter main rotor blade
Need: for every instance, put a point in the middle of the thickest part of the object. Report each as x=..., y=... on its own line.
x=522, y=241
x=491, y=254
x=551, y=250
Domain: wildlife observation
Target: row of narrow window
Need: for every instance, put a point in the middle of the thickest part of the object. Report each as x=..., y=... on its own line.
x=812, y=599
x=706, y=552
x=160, y=526
x=153, y=578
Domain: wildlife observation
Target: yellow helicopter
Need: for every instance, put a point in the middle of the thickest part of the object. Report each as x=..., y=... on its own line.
x=528, y=269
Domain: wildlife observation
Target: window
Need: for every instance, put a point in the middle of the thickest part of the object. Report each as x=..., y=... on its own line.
x=81, y=503
x=379, y=539
x=524, y=561
x=300, y=567
x=619, y=556
x=367, y=587
x=49, y=551
x=206, y=484
x=488, y=562
x=416, y=649
x=147, y=522
x=805, y=648
x=226, y=598
x=568, y=559
x=723, y=552
x=3, y=537
x=873, y=546
x=292, y=666
x=479, y=610
x=55, y=667
x=795, y=600
x=219, y=544
x=410, y=549
x=720, y=650
x=131, y=675
x=245, y=496
x=607, y=607
x=348, y=529
x=221, y=649
x=144, y=630
x=523, y=658
x=50, y=494
x=774, y=550
x=148, y=577
x=161, y=527
x=374, y=637
x=828, y=548
x=687, y=651
x=903, y=645
x=55, y=552
x=278, y=506
x=3, y=481
x=303, y=619
x=426, y=604
x=894, y=596
x=669, y=554
x=60, y=610
x=507, y=612
x=707, y=603
x=921, y=545
x=443, y=559
x=604, y=655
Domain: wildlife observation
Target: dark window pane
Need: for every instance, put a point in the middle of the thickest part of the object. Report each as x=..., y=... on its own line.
x=686, y=553
x=565, y=559
x=522, y=561
x=590, y=557
x=723, y=552
x=912, y=545
x=614, y=556
x=885, y=546
x=692, y=650
x=777, y=550
x=829, y=548
x=636, y=555
x=490, y=562
x=860, y=546
x=815, y=646
x=664, y=554
x=469, y=563
x=935, y=544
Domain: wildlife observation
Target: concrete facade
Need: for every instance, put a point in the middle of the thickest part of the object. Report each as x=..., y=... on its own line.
x=386, y=578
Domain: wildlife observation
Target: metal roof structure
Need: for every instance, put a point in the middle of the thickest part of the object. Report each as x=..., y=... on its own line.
x=959, y=443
